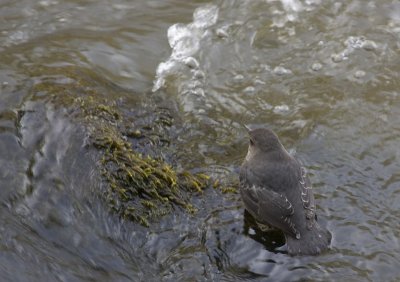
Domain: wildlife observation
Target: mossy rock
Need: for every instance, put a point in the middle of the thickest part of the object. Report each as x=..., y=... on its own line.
x=140, y=184
x=140, y=187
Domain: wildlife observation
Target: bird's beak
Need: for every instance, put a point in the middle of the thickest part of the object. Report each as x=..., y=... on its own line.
x=247, y=128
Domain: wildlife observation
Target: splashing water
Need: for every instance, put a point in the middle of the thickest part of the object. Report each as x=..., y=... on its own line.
x=185, y=41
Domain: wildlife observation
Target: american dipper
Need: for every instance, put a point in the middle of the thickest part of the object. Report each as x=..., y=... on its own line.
x=277, y=191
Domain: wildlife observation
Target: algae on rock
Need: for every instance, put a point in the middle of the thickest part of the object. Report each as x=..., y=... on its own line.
x=139, y=186
x=142, y=187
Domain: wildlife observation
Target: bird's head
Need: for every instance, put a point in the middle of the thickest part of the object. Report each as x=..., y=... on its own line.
x=262, y=140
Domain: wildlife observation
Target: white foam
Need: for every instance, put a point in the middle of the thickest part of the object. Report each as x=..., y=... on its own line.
x=353, y=43
x=185, y=42
x=176, y=33
x=291, y=10
x=205, y=16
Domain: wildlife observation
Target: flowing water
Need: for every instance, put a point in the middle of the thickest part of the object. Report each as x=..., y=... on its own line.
x=325, y=75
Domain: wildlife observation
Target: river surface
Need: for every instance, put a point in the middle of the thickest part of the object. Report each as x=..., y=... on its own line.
x=324, y=75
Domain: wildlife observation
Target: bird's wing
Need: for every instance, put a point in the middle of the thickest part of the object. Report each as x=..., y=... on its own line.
x=277, y=209
x=268, y=203
x=269, y=207
x=307, y=198
x=294, y=183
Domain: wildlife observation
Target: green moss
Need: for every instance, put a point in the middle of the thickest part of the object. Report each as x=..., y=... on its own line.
x=228, y=189
x=141, y=187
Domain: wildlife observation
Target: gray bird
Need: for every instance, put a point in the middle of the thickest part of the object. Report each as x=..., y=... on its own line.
x=276, y=191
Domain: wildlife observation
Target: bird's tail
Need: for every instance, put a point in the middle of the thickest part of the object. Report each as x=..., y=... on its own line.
x=312, y=242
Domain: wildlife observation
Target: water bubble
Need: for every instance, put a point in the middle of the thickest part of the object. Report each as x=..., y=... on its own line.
x=191, y=62
x=44, y=3
x=120, y=7
x=259, y=82
x=360, y=42
x=238, y=78
x=359, y=74
x=249, y=90
x=316, y=66
x=355, y=42
x=265, y=106
x=281, y=109
x=279, y=70
x=221, y=32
